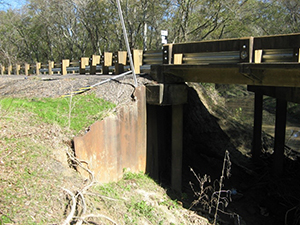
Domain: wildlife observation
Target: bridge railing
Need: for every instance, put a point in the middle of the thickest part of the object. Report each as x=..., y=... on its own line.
x=279, y=48
x=268, y=49
x=107, y=63
x=209, y=52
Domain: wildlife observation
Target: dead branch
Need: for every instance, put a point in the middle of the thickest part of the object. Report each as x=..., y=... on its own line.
x=75, y=197
x=73, y=208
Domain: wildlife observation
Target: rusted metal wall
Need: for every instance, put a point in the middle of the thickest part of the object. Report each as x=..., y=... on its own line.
x=117, y=142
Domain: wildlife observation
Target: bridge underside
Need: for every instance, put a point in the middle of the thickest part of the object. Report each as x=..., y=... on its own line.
x=278, y=80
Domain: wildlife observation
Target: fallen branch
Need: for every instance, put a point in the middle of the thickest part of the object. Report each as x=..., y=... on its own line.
x=81, y=216
x=73, y=208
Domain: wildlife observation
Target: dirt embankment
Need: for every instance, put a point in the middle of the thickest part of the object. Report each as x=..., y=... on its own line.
x=210, y=130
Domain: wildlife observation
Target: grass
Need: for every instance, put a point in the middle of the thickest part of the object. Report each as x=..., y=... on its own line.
x=32, y=134
x=29, y=189
x=32, y=137
x=74, y=113
x=137, y=199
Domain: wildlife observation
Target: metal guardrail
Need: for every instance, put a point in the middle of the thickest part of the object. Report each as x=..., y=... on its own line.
x=211, y=57
x=277, y=55
x=269, y=49
x=152, y=57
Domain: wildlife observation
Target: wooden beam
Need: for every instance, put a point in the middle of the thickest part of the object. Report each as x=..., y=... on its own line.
x=9, y=69
x=84, y=61
x=137, y=60
x=18, y=67
x=2, y=69
x=178, y=59
x=121, y=61
x=50, y=67
x=258, y=56
x=26, y=68
x=152, y=142
x=64, y=64
x=94, y=62
x=285, y=41
x=257, y=128
x=177, y=140
x=280, y=125
x=290, y=94
x=166, y=94
x=107, y=62
x=37, y=68
x=262, y=74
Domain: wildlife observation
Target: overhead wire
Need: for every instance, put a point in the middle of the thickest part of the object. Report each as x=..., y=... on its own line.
x=126, y=42
x=87, y=88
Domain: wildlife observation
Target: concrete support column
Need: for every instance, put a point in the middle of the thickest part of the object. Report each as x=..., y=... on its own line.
x=280, y=125
x=177, y=140
x=258, y=109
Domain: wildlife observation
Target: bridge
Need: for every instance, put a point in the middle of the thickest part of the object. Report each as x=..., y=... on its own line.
x=268, y=65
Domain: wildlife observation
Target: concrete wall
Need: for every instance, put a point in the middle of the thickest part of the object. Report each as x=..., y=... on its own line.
x=117, y=142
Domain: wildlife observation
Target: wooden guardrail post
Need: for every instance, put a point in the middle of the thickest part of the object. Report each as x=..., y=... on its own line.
x=18, y=67
x=137, y=60
x=9, y=69
x=64, y=64
x=26, y=68
x=50, y=67
x=107, y=62
x=94, y=62
x=120, y=62
x=37, y=67
x=84, y=61
x=2, y=68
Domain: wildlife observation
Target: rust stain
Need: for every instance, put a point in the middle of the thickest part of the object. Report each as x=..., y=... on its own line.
x=117, y=142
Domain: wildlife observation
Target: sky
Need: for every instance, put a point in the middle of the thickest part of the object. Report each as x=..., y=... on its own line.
x=13, y=4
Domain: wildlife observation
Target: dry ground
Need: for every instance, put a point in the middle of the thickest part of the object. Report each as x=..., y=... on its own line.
x=37, y=185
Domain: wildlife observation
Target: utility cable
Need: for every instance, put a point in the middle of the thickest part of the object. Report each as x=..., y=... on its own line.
x=87, y=88
x=127, y=43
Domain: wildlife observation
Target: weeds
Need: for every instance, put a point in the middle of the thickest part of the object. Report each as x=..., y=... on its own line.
x=213, y=197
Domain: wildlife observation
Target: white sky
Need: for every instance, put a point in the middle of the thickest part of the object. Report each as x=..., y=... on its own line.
x=13, y=4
